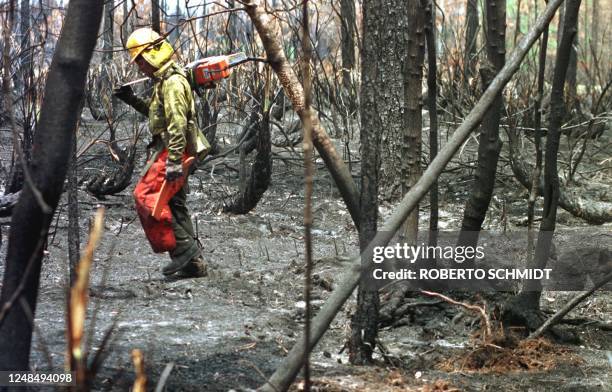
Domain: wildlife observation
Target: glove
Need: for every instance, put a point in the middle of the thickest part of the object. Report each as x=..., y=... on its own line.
x=124, y=93
x=174, y=170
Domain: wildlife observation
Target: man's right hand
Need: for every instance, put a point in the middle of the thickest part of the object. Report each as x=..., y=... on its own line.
x=124, y=93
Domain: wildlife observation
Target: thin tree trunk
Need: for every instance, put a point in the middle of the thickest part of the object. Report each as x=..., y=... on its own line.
x=364, y=323
x=572, y=73
x=107, y=97
x=125, y=24
x=288, y=369
x=595, y=31
x=347, y=22
x=517, y=23
x=23, y=87
x=308, y=188
x=535, y=177
x=64, y=91
x=175, y=35
x=271, y=38
x=432, y=94
x=490, y=143
x=74, y=241
x=413, y=120
x=532, y=289
x=155, y=22
x=27, y=78
x=471, y=38
x=232, y=26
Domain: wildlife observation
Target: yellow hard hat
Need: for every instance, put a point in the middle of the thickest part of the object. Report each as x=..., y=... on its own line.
x=150, y=45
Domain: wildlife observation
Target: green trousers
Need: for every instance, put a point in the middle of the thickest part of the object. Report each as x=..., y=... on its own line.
x=186, y=246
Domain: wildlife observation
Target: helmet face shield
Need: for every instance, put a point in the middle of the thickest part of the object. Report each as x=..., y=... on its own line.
x=158, y=54
x=150, y=45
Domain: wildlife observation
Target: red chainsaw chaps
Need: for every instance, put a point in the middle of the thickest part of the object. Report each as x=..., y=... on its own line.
x=158, y=231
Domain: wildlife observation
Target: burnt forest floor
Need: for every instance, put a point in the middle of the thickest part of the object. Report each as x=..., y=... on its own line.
x=231, y=329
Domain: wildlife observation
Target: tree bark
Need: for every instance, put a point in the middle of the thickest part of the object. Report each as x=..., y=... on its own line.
x=52, y=143
x=271, y=38
x=125, y=24
x=471, y=38
x=261, y=172
x=286, y=372
x=432, y=107
x=413, y=120
x=23, y=86
x=347, y=22
x=572, y=70
x=529, y=297
x=155, y=22
x=74, y=241
x=490, y=143
x=389, y=25
x=232, y=28
x=364, y=323
x=535, y=175
x=595, y=31
x=108, y=99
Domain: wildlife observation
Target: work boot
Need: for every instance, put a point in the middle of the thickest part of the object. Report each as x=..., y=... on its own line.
x=197, y=268
x=175, y=266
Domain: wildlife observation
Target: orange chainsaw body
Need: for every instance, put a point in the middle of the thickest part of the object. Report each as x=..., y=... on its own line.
x=212, y=69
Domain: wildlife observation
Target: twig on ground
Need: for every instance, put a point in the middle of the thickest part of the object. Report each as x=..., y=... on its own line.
x=481, y=310
x=163, y=378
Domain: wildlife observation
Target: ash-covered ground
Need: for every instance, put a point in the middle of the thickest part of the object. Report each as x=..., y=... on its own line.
x=231, y=329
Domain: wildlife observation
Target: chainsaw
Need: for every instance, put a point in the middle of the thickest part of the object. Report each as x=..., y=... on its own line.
x=205, y=72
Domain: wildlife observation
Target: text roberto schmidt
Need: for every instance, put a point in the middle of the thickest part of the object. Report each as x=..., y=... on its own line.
x=458, y=254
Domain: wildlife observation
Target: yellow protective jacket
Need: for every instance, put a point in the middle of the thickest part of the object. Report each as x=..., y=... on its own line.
x=172, y=115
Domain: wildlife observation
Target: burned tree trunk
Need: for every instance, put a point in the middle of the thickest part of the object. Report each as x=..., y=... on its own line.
x=364, y=323
x=209, y=115
x=155, y=22
x=74, y=242
x=490, y=143
x=261, y=171
x=572, y=67
x=347, y=21
x=108, y=99
x=389, y=28
x=23, y=83
x=537, y=119
x=52, y=143
x=432, y=94
x=413, y=121
x=523, y=309
x=471, y=38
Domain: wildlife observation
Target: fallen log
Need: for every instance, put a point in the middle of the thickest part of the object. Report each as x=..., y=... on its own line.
x=592, y=211
x=289, y=368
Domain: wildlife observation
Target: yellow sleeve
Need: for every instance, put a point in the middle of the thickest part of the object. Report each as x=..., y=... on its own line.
x=177, y=103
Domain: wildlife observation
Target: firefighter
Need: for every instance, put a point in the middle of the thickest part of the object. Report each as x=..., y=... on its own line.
x=172, y=123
